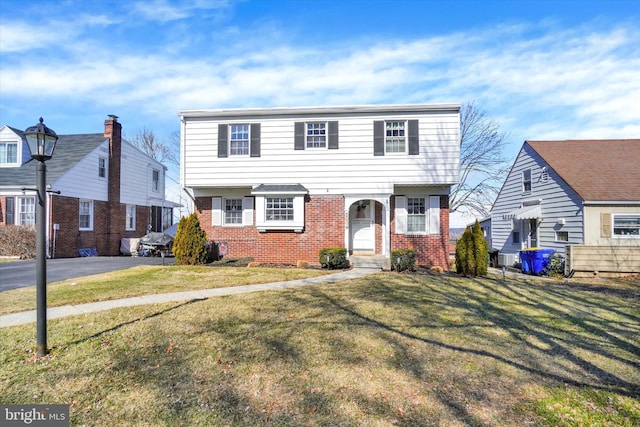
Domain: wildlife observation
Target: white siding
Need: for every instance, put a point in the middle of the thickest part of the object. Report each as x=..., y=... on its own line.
x=136, y=172
x=8, y=136
x=558, y=202
x=82, y=180
x=351, y=168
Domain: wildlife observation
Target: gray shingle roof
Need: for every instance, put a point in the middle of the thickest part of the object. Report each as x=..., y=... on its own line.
x=69, y=150
x=280, y=188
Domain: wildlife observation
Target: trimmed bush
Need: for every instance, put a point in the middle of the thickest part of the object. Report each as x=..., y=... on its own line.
x=472, y=254
x=333, y=258
x=403, y=259
x=18, y=240
x=190, y=244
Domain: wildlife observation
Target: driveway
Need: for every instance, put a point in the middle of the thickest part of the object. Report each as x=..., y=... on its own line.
x=20, y=274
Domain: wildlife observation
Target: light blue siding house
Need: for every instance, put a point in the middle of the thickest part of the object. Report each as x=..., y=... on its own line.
x=578, y=197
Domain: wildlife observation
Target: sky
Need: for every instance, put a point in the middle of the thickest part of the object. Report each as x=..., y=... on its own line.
x=544, y=69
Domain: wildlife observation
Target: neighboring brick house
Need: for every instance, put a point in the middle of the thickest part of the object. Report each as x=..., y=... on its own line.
x=279, y=184
x=108, y=190
x=578, y=197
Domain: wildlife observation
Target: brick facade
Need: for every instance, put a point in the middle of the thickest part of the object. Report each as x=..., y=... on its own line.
x=432, y=250
x=324, y=227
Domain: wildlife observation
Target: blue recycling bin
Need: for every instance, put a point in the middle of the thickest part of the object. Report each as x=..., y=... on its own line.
x=525, y=261
x=539, y=260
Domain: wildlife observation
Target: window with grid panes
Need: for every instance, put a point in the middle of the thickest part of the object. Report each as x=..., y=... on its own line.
x=416, y=214
x=395, y=137
x=279, y=209
x=233, y=211
x=239, y=140
x=316, y=135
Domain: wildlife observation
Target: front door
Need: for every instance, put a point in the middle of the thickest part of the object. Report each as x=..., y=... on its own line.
x=533, y=233
x=362, y=230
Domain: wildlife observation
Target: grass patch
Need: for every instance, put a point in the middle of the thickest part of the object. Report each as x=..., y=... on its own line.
x=386, y=349
x=145, y=280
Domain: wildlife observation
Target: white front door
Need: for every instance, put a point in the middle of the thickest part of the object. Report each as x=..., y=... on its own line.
x=362, y=230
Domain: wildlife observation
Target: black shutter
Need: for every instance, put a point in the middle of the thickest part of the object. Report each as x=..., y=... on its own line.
x=223, y=140
x=10, y=211
x=378, y=138
x=255, y=140
x=333, y=135
x=414, y=142
x=298, y=142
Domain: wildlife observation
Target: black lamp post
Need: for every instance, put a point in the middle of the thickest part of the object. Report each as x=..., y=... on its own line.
x=42, y=141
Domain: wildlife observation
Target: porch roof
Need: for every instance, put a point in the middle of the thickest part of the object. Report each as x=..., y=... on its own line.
x=280, y=189
x=525, y=212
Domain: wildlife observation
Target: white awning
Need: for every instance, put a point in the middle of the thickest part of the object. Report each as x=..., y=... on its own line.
x=525, y=212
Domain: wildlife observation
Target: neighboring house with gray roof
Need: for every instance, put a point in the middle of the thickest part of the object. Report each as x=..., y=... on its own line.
x=102, y=189
x=578, y=197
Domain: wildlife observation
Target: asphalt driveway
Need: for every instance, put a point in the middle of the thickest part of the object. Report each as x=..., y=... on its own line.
x=20, y=274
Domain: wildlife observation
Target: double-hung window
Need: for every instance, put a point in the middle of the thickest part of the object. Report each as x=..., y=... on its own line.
x=131, y=217
x=26, y=211
x=86, y=214
x=8, y=153
x=316, y=135
x=233, y=211
x=155, y=180
x=395, y=137
x=239, y=140
x=416, y=215
x=626, y=225
x=102, y=167
x=526, y=180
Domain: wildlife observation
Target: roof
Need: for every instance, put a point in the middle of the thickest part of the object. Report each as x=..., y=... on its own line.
x=70, y=149
x=280, y=188
x=321, y=110
x=597, y=170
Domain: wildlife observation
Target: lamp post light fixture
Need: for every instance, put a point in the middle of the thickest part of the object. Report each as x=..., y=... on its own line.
x=41, y=141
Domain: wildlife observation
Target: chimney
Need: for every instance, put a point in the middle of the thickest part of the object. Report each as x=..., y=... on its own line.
x=115, y=213
x=113, y=131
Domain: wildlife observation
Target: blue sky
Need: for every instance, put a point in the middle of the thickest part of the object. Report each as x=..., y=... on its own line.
x=546, y=69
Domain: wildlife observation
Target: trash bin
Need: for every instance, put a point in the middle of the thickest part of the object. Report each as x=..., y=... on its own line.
x=539, y=260
x=525, y=261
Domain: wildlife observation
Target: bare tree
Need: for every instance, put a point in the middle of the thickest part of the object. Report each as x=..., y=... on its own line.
x=483, y=166
x=146, y=140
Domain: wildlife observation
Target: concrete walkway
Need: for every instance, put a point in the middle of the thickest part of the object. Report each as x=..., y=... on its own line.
x=71, y=310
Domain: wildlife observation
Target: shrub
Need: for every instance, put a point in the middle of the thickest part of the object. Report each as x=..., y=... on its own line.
x=333, y=258
x=472, y=254
x=190, y=244
x=403, y=259
x=18, y=240
x=555, y=266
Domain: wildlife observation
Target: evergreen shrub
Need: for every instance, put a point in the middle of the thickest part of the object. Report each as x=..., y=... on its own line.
x=333, y=258
x=403, y=259
x=472, y=254
x=190, y=244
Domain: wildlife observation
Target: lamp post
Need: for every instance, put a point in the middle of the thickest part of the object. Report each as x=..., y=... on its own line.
x=42, y=141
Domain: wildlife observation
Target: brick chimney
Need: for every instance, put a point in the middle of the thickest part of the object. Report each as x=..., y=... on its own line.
x=113, y=131
x=115, y=215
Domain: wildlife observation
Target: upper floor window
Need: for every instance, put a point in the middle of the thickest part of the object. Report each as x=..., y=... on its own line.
x=239, y=140
x=626, y=225
x=233, y=211
x=102, y=167
x=526, y=180
x=86, y=214
x=155, y=180
x=8, y=153
x=395, y=137
x=316, y=135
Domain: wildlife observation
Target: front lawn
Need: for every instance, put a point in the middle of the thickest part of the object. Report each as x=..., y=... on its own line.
x=387, y=349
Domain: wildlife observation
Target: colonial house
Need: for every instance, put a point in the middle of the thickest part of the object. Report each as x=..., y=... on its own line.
x=578, y=197
x=279, y=184
x=100, y=189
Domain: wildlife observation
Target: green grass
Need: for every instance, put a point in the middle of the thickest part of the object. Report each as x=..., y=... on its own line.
x=143, y=280
x=387, y=349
